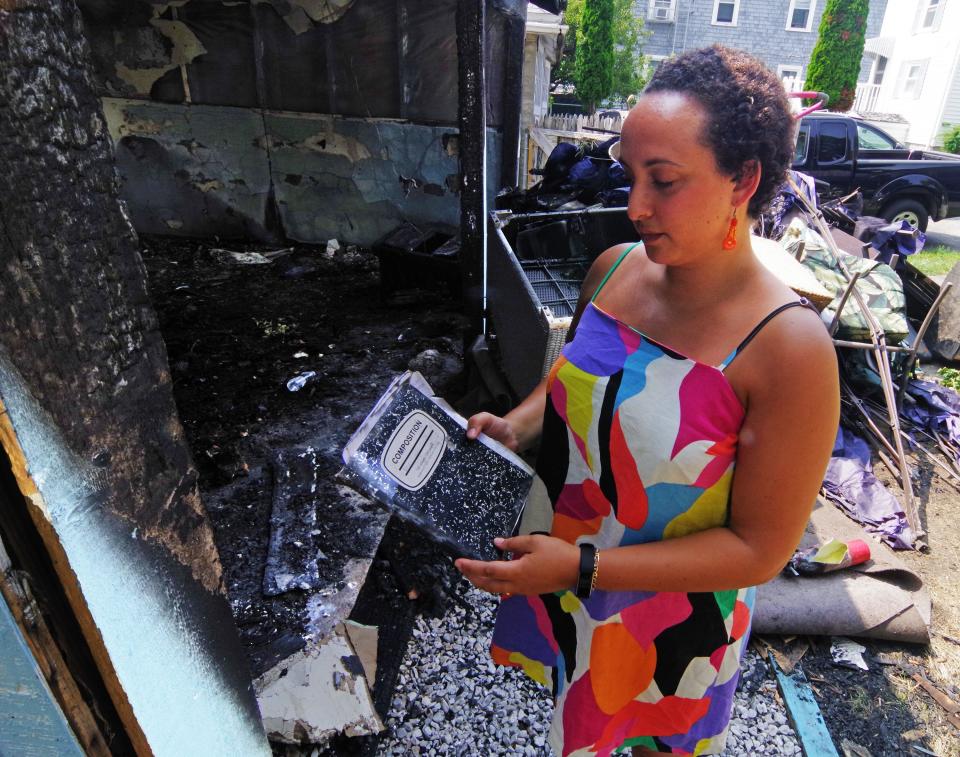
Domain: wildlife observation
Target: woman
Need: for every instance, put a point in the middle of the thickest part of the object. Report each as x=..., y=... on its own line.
x=671, y=479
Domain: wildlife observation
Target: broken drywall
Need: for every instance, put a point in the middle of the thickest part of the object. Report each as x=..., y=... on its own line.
x=137, y=45
x=182, y=47
x=316, y=693
x=301, y=14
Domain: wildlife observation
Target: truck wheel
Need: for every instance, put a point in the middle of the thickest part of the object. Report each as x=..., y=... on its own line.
x=911, y=211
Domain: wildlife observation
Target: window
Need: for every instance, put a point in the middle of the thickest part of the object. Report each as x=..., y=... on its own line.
x=661, y=10
x=869, y=138
x=791, y=77
x=929, y=13
x=910, y=82
x=653, y=62
x=800, y=15
x=879, y=68
x=833, y=142
x=803, y=140
x=725, y=12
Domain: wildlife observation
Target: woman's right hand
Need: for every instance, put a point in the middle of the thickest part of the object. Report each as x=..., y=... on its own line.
x=495, y=427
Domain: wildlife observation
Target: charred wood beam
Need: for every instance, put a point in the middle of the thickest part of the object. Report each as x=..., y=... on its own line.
x=512, y=99
x=472, y=123
x=87, y=417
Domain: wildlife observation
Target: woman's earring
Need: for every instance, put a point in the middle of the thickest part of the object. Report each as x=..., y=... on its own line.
x=730, y=241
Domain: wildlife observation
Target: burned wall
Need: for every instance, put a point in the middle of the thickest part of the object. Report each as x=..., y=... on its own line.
x=293, y=118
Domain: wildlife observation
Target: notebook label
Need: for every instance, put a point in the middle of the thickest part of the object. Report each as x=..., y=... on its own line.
x=414, y=450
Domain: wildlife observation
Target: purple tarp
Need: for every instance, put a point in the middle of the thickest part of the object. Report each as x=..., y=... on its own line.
x=850, y=483
x=934, y=408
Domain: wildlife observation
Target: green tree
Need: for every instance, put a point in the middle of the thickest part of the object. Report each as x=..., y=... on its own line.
x=593, y=64
x=629, y=63
x=835, y=61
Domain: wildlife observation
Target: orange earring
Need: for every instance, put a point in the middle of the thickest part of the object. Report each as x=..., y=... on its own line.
x=730, y=240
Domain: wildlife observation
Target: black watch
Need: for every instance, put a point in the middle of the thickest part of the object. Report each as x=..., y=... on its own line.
x=588, y=557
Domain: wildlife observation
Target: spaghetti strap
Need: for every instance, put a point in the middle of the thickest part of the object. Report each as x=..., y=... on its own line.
x=612, y=269
x=802, y=302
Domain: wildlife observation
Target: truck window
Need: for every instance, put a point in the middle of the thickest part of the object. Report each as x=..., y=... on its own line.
x=803, y=141
x=833, y=142
x=873, y=139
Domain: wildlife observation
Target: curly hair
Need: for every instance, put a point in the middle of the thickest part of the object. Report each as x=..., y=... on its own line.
x=748, y=117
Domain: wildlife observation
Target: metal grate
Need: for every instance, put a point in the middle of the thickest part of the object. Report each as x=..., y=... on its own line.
x=557, y=282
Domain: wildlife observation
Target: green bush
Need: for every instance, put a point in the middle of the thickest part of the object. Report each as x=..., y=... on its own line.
x=950, y=377
x=835, y=61
x=951, y=140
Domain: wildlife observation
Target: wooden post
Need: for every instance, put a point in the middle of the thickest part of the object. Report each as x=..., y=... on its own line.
x=472, y=123
x=512, y=98
x=87, y=416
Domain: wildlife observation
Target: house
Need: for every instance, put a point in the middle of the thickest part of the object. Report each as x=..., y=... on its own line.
x=914, y=69
x=781, y=33
x=543, y=45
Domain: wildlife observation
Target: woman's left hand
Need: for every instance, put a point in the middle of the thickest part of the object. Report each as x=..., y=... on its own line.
x=541, y=565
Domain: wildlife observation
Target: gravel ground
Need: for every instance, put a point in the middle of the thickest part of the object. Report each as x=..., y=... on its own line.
x=451, y=699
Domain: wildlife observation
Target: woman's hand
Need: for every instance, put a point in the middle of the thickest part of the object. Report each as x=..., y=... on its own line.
x=495, y=427
x=541, y=565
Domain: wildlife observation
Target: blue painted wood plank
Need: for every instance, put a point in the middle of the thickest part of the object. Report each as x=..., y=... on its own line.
x=31, y=722
x=804, y=713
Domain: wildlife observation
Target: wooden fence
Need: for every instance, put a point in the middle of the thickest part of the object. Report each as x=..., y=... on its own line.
x=603, y=121
x=549, y=130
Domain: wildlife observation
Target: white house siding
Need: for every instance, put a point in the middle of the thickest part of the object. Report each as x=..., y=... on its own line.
x=937, y=51
x=760, y=30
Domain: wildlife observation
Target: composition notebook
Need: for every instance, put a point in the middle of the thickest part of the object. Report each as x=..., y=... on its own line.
x=412, y=455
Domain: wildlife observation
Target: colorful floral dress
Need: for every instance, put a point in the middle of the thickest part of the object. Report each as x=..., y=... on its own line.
x=639, y=444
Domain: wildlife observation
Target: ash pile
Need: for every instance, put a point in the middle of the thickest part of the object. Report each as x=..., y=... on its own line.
x=277, y=355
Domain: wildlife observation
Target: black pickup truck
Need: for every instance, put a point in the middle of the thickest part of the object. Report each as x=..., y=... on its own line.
x=844, y=153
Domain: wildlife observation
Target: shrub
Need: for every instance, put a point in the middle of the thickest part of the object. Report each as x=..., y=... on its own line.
x=951, y=140
x=835, y=61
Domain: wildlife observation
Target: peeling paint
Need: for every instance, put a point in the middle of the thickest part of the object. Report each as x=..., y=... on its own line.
x=135, y=126
x=337, y=144
x=204, y=170
x=186, y=47
x=208, y=186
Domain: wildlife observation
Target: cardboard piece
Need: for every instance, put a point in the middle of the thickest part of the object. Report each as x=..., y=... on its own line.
x=364, y=640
